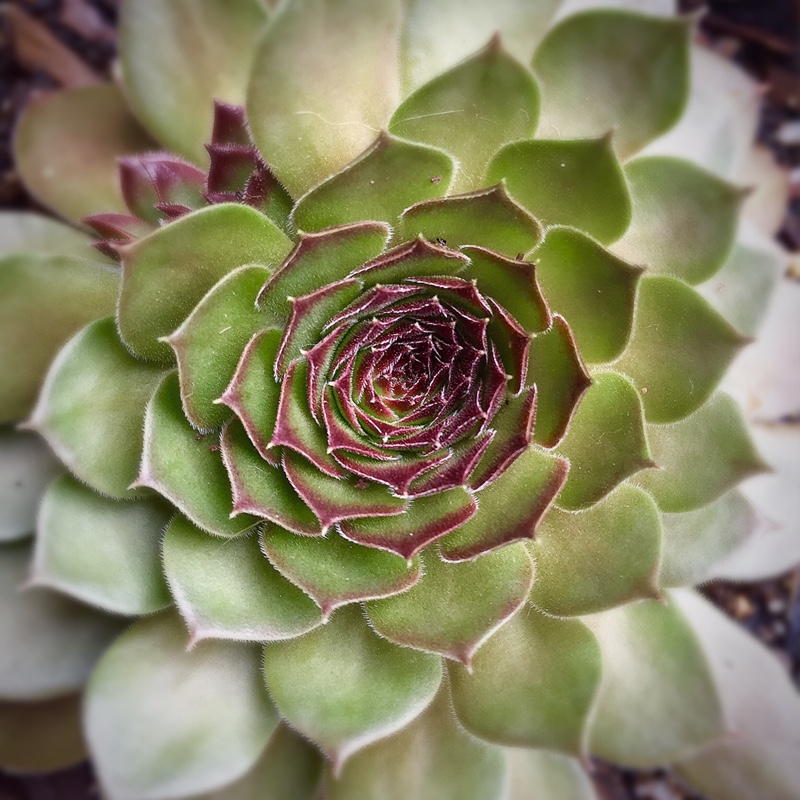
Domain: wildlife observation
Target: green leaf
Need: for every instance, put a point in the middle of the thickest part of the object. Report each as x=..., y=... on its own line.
x=684, y=218
x=592, y=289
x=92, y=406
x=557, y=370
x=232, y=591
x=41, y=737
x=700, y=457
x=63, y=293
x=633, y=69
x=432, y=758
x=658, y=699
x=445, y=614
x=185, y=466
x=104, y=552
x=26, y=467
x=333, y=571
x=550, y=775
x=206, y=48
x=578, y=183
x=167, y=273
x=472, y=110
x=679, y=350
x=28, y=232
x=344, y=687
x=210, y=341
x=311, y=110
x=380, y=184
x=510, y=508
x=48, y=643
x=759, y=757
x=695, y=541
x=67, y=144
x=605, y=442
x=532, y=684
x=164, y=721
x=607, y=555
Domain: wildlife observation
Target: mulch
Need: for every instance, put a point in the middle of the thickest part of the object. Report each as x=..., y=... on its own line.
x=49, y=43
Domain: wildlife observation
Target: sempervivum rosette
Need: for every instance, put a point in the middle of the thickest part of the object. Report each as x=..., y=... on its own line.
x=399, y=421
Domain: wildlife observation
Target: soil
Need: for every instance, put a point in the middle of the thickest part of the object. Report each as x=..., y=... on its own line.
x=45, y=44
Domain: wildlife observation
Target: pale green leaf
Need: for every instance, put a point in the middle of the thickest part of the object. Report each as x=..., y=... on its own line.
x=28, y=232
x=541, y=773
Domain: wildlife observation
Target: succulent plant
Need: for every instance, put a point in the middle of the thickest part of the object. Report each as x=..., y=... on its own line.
x=389, y=399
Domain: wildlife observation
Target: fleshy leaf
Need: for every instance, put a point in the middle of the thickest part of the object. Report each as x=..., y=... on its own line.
x=311, y=110
x=695, y=541
x=104, y=552
x=472, y=110
x=92, y=406
x=605, y=442
x=209, y=343
x=28, y=232
x=551, y=775
x=163, y=721
x=159, y=289
x=333, y=571
x=205, y=47
x=186, y=467
x=658, y=699
x=509, y=508
x=67, y=144
x=26, y=467
x=599, y=558
x=425, y=520
x=679, y=349
x=684, y=218
x=634, y=69
x=232, y=592
x=379, y=185
x=64, y=293
x=556, y=369
x=700, y=457
x=48, y=643
x=430, y=759
x=445, y=614
x=578, y=183
x=344, y=687
x=592, y=289
x=531, y=685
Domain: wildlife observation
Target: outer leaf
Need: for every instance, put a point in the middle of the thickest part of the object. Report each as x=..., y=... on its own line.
x=472, y=110
x=310, y=109
x=166, y=722
x=48, y=643
x=605, y=443
x=91, y=409
x=333, y=571
x=65, y=293
x=232, y=592
x=432, y=758
x=658, y=699
x=547, y=774
x=205, y=47
x=67, y=144
x=344, y=687
x=28, y=232
x=759, y=758
x=186, y=467
x=532, y=684
x=578, y=183
x=444, y=614
x=700, y=457
x=592, y=289
x=635, y=69
x=598, y=558
x=209, y=343
x=679, y=350
x=379, y=185
x=26, y=467
x=160, y=287
x=100, y=551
